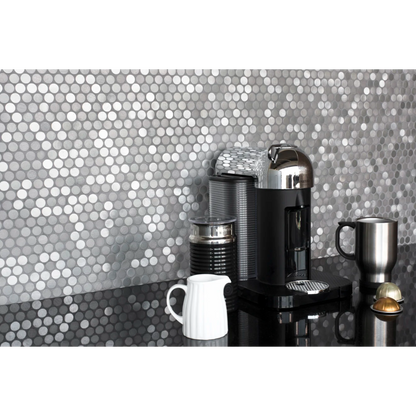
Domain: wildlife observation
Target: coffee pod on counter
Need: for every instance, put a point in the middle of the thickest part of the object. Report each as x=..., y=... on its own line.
x=389, y=290
x=386, y=306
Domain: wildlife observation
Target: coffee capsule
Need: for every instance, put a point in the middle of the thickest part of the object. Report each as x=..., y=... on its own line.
x=389, y=290
x=386, y=306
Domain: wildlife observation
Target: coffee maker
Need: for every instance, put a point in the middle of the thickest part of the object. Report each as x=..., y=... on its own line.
x=282, y=178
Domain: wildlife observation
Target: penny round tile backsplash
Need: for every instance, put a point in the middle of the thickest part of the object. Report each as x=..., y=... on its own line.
x=100, y=170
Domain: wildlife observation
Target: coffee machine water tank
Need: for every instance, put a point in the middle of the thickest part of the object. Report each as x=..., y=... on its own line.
x=283, y=179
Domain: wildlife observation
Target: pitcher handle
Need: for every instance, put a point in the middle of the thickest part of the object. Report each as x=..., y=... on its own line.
x=175, y=315
x=337, y=239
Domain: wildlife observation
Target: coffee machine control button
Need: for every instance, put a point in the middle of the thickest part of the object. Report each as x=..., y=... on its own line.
x=274, y=150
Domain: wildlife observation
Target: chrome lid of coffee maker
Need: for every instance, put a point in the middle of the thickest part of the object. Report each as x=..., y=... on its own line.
x=281, y=166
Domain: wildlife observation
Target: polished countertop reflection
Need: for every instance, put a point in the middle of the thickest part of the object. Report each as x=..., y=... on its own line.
x=138, y=316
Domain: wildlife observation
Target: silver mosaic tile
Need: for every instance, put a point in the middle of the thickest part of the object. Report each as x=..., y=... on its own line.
x=100, y=170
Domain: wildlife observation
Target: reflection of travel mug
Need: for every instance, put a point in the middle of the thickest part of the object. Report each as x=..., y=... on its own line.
x=375, y=248
x=213, y=250
x=371, y=329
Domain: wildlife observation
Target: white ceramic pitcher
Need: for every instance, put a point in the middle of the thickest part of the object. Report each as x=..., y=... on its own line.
x=204, y=314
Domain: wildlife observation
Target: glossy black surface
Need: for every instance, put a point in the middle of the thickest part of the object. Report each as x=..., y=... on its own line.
x=275, y=234
x=137, y=316
x=280, y=297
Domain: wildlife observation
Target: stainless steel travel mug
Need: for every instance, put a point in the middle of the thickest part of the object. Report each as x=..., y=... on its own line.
x=375, y=247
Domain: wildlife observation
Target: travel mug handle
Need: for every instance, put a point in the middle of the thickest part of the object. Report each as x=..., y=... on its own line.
x=337, y=239
x=175, y=315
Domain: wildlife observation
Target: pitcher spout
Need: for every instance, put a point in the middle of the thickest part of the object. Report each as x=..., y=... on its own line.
x=223, y=280
x=209, y=278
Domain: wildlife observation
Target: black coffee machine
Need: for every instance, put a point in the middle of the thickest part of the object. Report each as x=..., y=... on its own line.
x=282, y=178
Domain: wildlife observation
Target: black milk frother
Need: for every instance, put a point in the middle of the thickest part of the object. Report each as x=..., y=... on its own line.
x=213, y=250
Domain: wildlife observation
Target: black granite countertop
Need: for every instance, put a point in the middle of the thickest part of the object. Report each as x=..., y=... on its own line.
x=137, y=316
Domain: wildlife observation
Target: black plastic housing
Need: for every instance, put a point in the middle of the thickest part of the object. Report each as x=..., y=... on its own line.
x=283, y=235
x=219, y=259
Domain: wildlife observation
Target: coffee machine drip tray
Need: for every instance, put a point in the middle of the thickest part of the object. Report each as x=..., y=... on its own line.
x=322, y=287
x=310, y=287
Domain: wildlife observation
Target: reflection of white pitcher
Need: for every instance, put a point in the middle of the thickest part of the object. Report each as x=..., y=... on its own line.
x=204, y=313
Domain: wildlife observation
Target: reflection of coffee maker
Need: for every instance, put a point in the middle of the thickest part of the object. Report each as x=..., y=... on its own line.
x=283, y=178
